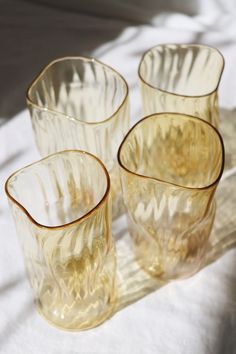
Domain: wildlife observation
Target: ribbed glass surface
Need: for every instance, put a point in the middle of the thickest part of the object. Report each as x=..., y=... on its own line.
x=170, y=167
x=81, y=103
x=62, y=211
x=183, y=79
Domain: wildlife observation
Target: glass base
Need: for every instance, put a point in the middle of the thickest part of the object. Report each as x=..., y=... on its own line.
x=79, y=326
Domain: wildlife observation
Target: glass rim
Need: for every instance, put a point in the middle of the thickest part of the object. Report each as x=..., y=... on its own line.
x=78, y=220
x=181, y=45
x=215, y=182
x=81, y=58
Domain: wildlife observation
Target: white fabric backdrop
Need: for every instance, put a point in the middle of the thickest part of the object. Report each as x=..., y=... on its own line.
x=194, y=316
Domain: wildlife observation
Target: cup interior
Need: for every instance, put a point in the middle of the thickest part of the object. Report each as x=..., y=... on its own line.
x=61, y=188
x=174, y=148
x=188, y=70
x=82, y=88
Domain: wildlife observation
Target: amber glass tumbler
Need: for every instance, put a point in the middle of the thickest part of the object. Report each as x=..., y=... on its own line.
x=170, y=167
x=61, y=207
x=81, y=103
x=183, y=79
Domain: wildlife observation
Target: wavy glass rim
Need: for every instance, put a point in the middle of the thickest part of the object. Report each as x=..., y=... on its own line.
x=181, y=45
x=78, y=220
x=160, y=180
x=82, y=58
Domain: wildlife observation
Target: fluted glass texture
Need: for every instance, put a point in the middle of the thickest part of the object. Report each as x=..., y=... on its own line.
x=183, y=79
x=81, y=103
x=170, y=167
x=62, y=211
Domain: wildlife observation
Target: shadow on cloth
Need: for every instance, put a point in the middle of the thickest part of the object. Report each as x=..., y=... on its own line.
x=13, y=326
x=11, y=284
x=33, y=33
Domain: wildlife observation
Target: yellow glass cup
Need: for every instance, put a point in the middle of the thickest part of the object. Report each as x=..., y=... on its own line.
x=81, y=103
x=181, y=78
x=170, y=167
x=62, y=211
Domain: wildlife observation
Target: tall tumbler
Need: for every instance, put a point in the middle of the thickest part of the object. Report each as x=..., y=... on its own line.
x=62, y=211
x=81, y=103
x=170, y=167
x=181, y=78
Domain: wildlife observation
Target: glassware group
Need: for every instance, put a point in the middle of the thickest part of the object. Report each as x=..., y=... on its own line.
x=169, y=165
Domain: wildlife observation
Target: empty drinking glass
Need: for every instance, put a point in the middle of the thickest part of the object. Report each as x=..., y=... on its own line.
x=170, y=167
x=182, y=78
x=81, y=103
x=62, y=211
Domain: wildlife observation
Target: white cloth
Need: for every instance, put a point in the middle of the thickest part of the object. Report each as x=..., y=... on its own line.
x=193, y=316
